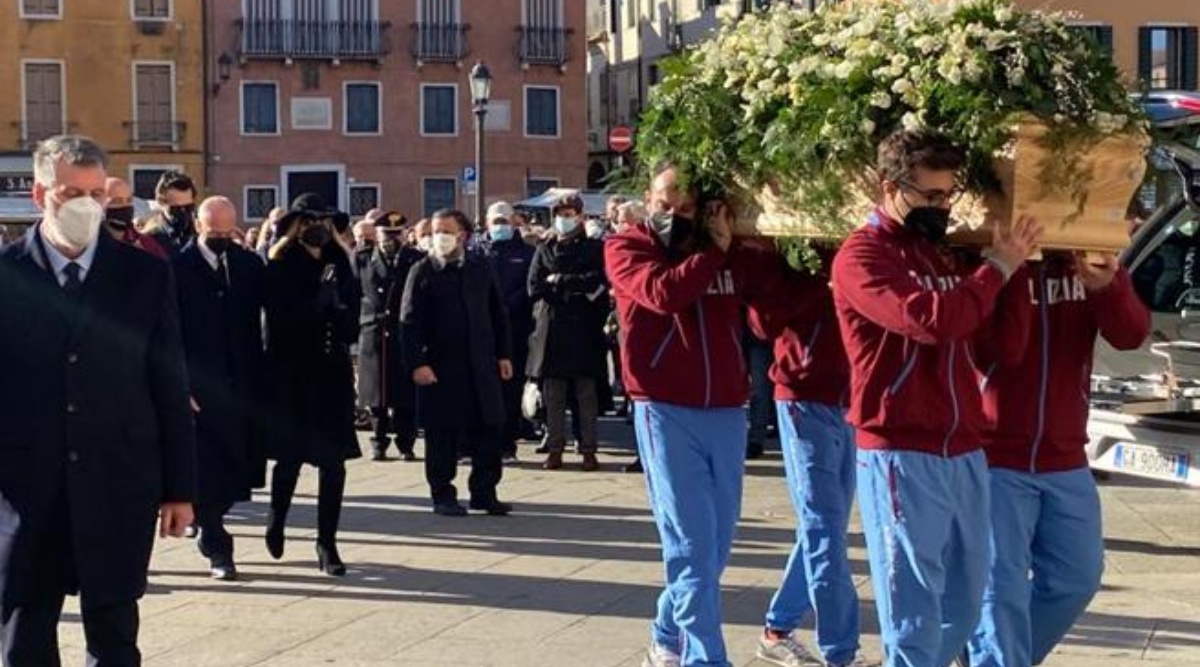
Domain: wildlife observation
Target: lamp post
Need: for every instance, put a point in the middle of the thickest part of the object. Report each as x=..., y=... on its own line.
x=224, y=65
x=481, y=91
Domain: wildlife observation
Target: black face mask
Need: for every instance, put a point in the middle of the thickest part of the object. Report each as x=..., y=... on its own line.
x=316, y=236
x=120, y=218
x=218, y=244
x=928, y=221
x=182, y=218
x=389, y=247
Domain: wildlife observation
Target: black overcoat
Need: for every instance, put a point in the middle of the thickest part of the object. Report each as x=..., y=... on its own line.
x=310, y=328
x=511, y=260
x=222, y=337
x=95, y=427
x=568, y=337
x=453, y=319
x=380, y=358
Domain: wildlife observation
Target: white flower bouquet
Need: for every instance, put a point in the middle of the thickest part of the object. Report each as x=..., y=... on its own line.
x=783, y=109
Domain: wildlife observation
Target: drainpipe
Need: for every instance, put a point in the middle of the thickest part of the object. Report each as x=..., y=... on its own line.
x=206, y=68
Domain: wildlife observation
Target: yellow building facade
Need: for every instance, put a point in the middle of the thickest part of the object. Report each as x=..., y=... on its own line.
x=1153, y=41
x=128, y=73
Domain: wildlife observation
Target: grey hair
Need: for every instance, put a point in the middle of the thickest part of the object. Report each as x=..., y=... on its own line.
x=74, y=149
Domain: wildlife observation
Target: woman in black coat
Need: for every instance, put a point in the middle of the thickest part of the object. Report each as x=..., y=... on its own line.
x=456, y=338
x=312, y=320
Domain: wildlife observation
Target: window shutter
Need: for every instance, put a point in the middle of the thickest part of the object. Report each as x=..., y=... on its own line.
x=1145, y=56
x=1190, y=58
x=1104, y=34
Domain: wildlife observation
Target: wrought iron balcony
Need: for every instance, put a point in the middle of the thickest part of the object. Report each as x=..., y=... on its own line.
x=31, y=132
x=155, y=134
x=544, y=46
x=265, y=39
x=440, y=42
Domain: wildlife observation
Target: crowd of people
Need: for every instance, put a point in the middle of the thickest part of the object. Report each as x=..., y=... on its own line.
x=153, y=367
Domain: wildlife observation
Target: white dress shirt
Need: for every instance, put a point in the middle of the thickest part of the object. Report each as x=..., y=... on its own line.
x=58, y=261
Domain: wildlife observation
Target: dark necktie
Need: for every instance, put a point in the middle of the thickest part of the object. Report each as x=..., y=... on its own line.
x=222, y=271
x=72, y=284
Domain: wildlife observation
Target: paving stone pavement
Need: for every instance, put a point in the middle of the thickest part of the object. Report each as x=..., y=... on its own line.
x=572, y=577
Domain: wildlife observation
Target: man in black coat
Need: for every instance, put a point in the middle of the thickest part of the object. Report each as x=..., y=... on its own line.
x=173, y=225
x=510, y=258
x=568, y=347
x=456, y=338
x=384, y=386
x=96, y=434
x=222, y=290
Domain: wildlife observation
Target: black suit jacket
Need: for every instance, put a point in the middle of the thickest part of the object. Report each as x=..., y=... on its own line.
x=94, y=418
x=223, y=340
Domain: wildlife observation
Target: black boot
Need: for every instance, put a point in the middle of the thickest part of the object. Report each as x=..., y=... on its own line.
x=328, y=560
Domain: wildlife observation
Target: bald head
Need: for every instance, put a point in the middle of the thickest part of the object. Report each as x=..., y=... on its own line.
x=216, y=217
x=120, y=195
x=364, y=232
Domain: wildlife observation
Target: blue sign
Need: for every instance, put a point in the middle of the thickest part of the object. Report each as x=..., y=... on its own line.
x=468, y=174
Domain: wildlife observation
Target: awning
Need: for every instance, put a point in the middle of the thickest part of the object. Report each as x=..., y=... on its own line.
x=593, y=202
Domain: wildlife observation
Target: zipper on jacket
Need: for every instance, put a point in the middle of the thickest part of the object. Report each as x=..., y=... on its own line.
x=662, y=347
x=704, y=351
x=812, y=342
x=905, y=371
x=1043, y=380
x=953, y=400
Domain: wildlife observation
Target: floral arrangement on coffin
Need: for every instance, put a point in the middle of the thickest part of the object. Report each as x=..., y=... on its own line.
x=783, y=109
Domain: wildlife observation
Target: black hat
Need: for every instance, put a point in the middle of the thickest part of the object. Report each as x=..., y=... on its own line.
x=310, y=206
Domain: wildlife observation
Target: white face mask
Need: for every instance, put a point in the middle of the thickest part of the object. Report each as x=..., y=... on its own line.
x=444, y=244
x=594, y=229
x=425, y=243
x=75, y=222
x=564, y=225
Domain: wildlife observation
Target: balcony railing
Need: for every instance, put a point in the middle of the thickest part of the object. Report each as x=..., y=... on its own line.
x=33, y=131
x=155, y=134
x=440, y=42
x=331, y=40
x=544, y=46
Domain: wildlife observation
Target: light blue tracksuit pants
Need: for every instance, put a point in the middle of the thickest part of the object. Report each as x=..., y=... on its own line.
x=925, y=518
x=819, y=457
x=694, y=460
x=1047, y=524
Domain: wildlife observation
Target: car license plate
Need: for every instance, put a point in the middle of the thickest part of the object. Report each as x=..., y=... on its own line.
x=1151, y=461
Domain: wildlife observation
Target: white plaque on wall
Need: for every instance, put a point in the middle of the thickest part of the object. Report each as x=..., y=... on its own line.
x=499, y=116
x=312, y=113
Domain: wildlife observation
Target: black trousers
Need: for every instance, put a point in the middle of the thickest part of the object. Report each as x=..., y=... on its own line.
x=331, y=487
x=31, y=634
x=385, y=421
x=441, y=462
x=215, y=543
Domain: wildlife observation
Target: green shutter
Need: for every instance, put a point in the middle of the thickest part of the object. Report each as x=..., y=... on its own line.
x=1190, y=57
x=1145, y=56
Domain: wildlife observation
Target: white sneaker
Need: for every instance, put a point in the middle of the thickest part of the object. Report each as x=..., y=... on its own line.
x=661, y=656
x=786, y=652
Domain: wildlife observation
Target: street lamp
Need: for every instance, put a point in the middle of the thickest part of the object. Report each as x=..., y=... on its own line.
x=224, y=65
x=481, y=91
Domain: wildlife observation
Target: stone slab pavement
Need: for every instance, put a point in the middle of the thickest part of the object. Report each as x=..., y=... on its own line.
x=572, y=577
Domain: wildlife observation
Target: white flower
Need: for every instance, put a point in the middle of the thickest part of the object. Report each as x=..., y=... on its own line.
x=821, y=39
x=868, y=126
x=911, y=122
x=864, y=28
x=844, y=69
x=902, y=86
x=882, y=100
x=926, y=43
x=900, y=60
x=1003, y=14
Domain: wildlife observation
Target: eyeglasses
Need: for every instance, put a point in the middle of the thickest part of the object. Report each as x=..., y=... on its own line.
x=934, y=197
